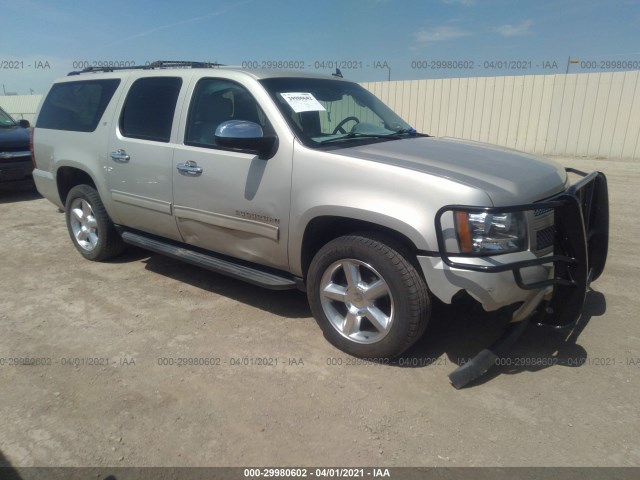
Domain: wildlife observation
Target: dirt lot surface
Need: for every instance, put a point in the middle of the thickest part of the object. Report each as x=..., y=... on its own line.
x=275, y=392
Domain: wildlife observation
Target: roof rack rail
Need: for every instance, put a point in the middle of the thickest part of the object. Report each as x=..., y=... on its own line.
x=152, y=66
x=182, y=63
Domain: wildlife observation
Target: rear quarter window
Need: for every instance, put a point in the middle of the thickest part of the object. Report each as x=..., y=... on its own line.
x=76, y=106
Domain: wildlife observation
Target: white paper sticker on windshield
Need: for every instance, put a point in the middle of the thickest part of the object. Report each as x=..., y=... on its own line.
x=302, y=102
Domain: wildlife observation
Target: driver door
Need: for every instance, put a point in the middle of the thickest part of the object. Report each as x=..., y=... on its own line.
x=231, y=202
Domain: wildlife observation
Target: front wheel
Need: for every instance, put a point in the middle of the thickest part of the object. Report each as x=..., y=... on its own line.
x=89, y=225
x=367, y=297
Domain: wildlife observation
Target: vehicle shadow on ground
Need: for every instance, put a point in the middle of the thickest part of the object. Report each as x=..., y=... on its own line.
x=7, y=472
x=460, y=332
x=285, y=303
x=22, y=191
x=455, y=334
x=131, y=254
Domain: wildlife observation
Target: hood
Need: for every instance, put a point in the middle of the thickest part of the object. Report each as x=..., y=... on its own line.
x=14, y=137
x=507, y=176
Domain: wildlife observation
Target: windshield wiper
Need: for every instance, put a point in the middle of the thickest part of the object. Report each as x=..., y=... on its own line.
x=388, y=136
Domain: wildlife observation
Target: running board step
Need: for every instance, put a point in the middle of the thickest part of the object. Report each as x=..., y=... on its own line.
x=246, y=273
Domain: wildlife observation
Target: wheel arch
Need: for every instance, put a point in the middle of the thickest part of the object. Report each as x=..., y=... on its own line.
x=322, y=229
x=68, y=177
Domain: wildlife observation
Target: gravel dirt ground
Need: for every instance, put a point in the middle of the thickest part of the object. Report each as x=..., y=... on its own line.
x=275, y=393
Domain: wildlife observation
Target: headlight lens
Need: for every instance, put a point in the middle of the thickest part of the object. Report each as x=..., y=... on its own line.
x=487, y=233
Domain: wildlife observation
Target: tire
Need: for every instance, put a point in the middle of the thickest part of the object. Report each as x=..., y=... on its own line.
x=91, y=230
x=367, y=297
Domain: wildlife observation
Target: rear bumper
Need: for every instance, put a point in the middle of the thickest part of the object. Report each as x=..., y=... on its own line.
x=47, y=186
x=581, y=215
x=15, y=169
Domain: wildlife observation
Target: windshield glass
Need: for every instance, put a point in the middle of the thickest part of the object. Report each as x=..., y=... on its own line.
x=334, y=112
x=5, y=119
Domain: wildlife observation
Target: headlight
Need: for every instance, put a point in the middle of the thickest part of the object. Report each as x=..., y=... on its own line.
x=490, y=233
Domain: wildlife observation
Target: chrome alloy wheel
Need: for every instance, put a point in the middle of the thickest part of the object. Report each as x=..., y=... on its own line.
x=357, y=301
x=83, y=224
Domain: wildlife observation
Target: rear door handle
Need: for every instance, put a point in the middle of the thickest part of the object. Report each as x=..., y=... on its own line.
x=189, y=168
x=120, y=156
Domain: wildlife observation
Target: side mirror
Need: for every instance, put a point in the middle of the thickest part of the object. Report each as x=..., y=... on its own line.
x=244, y=135
x=24, y=123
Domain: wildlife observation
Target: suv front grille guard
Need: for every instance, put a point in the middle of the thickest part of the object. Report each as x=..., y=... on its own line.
x=581, y=237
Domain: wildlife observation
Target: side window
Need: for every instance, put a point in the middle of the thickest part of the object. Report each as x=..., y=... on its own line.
x=76, y=106
x=215, y=101
x=149, y=108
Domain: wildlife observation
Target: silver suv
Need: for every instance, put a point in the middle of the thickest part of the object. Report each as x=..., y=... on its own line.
x=291, y=180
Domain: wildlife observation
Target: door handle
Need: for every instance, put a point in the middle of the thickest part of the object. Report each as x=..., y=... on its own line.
x=120, y=156
x=189, y=168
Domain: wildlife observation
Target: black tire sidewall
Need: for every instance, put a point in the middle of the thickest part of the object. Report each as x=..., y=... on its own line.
x=395, y=274
x=89, y=194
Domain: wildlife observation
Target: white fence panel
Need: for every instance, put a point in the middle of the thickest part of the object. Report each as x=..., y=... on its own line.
x=594, y=114
x=20, y=106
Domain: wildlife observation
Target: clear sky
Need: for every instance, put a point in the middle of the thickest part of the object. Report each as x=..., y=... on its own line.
x=368, y=39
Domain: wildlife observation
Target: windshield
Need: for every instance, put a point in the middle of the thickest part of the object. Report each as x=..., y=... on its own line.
x=334, y=112
x=6, y=120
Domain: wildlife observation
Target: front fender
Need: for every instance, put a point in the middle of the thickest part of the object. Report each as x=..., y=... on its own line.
x=328, y=183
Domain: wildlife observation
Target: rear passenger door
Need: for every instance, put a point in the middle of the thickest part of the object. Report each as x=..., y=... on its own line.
x=139, y=159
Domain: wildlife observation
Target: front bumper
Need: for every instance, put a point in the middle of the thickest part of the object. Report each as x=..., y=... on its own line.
x=580, y=244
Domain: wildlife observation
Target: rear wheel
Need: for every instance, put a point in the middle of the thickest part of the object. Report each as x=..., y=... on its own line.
x=367, y=297
x=89, y=225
